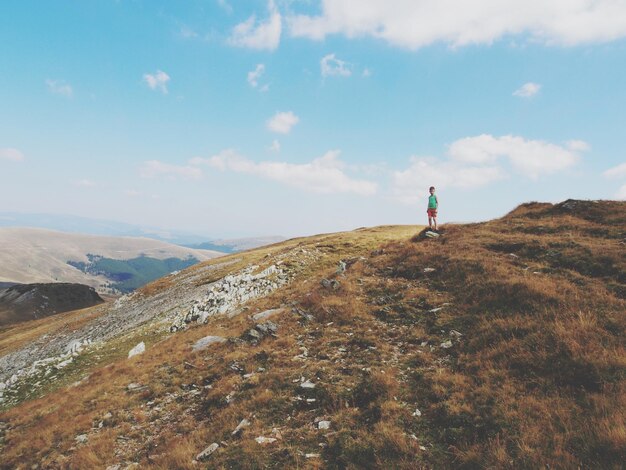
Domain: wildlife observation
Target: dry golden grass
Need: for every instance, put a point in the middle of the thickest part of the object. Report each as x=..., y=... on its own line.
x=13, y=337
x=535, y=380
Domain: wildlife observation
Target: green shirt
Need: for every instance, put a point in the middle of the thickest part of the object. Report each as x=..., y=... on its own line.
x=432, y=202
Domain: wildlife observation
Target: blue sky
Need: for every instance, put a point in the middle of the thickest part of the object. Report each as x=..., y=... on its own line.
x=295, y=117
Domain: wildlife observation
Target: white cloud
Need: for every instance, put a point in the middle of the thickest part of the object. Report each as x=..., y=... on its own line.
x=477, y=161
x=578, y=145
x=331, y=66
x=155, y=168
x=85, y=183
x=282, y=122
x=366, y=73
x=409, y=185
x=618, y=171
x=188, y=33
x=264, y=35
x=11, y=154
x=132, y=193
x=275, y=147
x=60, y=87
x=530, y=157
x=527, y=90
x=621, y=193
x=254, y=75
x=158, y=81
x=324, y=175
x=225, y=6
x=417, y=23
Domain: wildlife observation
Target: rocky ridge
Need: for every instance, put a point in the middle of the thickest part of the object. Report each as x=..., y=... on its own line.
x=225, y=295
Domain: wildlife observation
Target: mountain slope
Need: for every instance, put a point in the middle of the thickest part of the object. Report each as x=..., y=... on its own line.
x=25, y=302
x=496, y=345
x=30, y=255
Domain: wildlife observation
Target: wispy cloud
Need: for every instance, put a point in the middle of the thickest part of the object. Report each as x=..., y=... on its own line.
x=324, y=175
x=418, y=23
x=578, y=145
x=618, y=171
x=59, y=87
x=331, y=66
x=85, y=183
x=157, y=81
x=155, y=168
x=255, y=75
x=132, y=193
x=474, y=162
x=11, y=154
x=188, y=33
x=261, y=35
x=275, y=147
x=527, y=90
x=282, y=122
x=225, y=6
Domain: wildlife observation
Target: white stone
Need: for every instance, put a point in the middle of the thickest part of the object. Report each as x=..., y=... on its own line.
x=265, y=440
x=265, y=314
x=243, y=424
x=307, y=385
x=138, y=349
x=323, y=425
x=204, y=316
x=74, y=346
x=207, y=452
x=446, y=345
x=81, y=439
x=205, y=342
x=63, y=364
x=417, y=413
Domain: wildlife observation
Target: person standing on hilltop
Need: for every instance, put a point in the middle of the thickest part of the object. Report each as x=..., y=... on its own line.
x=433, y=205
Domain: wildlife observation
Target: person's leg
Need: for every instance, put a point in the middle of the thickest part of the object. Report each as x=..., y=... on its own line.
x=430, y=222
x=435, y=221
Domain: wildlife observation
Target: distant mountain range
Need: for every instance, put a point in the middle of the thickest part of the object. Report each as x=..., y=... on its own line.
x=86, y=225
x=109, y=264
x=236, y=244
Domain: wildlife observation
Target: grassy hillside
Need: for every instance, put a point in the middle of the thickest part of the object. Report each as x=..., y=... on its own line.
x=497, y=345
x=26, y=302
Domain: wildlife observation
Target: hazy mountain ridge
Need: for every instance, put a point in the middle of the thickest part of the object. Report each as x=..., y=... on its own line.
x=237, y=244
x=30, y=255
x=86, y=225
x=495, y=345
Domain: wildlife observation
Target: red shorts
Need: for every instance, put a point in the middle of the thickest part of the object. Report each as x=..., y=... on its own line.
x=432, y=212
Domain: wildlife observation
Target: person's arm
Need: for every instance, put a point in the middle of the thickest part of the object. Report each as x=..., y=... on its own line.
x=437, y=201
